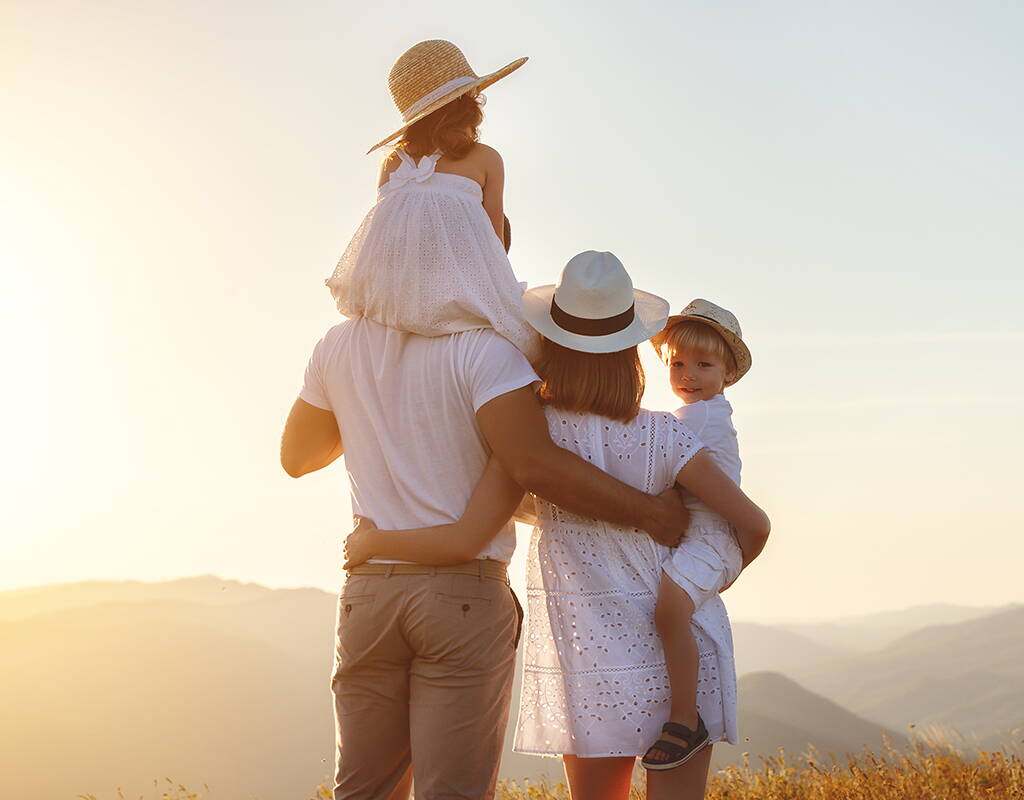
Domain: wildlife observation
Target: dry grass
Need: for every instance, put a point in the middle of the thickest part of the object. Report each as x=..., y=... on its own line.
x=919, y=775
x=923, y=774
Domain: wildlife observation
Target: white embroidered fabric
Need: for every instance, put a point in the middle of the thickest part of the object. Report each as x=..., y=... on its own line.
x=426, y=260
x=594, y=677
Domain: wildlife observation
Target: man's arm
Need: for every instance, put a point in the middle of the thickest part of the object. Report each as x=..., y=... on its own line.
x=517, y=432
x=311, y=439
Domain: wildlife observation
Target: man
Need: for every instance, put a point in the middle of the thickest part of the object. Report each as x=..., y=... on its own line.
x=425, y=655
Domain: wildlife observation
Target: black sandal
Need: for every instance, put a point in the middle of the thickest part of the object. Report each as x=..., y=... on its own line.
x=677, y=753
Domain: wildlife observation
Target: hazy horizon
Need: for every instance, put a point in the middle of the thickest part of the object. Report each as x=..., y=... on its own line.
x=179, y=179
x=518, y=578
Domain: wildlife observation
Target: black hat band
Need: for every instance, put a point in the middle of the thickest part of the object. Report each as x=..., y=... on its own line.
x=592, y=327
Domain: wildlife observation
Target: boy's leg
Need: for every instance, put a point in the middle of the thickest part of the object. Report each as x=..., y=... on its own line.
x=672, y=619
x=370, y=683
x=460, y=686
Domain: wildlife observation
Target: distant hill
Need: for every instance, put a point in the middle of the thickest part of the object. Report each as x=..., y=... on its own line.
x=775, y=712
x=968, y=676
x=760, y=648
x=209, y=589
x=874, y=631
x=108, y=684
x=115, y=695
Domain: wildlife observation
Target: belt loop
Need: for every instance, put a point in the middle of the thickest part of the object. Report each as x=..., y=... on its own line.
x=433, y=571
x=479, y=569
x=389, y=570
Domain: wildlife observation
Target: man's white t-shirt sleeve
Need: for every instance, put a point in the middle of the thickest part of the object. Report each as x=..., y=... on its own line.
x=496, y=367
x=313, y=384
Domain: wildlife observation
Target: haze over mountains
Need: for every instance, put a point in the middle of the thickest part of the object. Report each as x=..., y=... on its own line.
x=107, y=684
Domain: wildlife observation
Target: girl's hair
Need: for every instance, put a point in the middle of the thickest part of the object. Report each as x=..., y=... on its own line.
x=693, y=335
x=452, y=130
x=607, y=384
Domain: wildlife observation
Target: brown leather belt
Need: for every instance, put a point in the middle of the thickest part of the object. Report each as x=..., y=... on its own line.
x=481, y=567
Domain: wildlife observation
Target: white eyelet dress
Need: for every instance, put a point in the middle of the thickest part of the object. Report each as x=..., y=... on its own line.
x=594, y=676
x=426, y=260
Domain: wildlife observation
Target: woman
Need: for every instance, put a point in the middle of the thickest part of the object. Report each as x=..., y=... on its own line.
x=595, y=688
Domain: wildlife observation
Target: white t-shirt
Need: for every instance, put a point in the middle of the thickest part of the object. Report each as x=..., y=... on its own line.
x=711, y=421
x=406, y=408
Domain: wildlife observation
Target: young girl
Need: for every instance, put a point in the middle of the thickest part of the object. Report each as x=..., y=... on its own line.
x=595, y=687
x=428, y=258
x=704, y=349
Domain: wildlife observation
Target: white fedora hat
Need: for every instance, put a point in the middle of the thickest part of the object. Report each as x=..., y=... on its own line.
x=594, y=308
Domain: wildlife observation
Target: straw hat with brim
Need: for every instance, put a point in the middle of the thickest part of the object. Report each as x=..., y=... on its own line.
x=719, y=319
x=431, y=74
x=594, y=308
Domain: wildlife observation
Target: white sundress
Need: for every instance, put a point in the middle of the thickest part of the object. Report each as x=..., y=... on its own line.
x=594, y=676
x=426, y=260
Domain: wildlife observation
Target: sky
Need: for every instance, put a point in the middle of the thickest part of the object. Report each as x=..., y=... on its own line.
x=177, y=180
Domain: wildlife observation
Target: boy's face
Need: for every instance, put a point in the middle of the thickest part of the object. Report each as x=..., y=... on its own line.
x=695, y=375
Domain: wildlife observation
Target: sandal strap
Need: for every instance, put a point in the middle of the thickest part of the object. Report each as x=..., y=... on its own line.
x=673, y=750
x=682, y=732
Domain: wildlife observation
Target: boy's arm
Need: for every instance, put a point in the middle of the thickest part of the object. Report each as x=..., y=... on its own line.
x=492, y=504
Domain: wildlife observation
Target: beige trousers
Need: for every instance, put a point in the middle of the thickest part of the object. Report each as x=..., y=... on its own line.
x=423, y=673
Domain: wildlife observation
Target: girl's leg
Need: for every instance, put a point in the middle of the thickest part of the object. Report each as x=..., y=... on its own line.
x=672, y=620
x=598, y=778
x=686, y=782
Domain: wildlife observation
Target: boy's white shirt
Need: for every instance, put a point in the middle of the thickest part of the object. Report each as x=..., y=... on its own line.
x=711, y=421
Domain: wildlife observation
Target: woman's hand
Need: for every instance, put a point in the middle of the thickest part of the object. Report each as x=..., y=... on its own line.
x=359, y=545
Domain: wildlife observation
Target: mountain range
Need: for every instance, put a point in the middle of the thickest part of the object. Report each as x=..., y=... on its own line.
x=206, y=681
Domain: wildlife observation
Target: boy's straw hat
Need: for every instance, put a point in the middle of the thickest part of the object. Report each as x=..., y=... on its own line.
x=431, y=74
x=722, y=321
x=594, y=307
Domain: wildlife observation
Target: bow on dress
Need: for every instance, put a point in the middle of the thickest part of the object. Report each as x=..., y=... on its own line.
x=411, y=171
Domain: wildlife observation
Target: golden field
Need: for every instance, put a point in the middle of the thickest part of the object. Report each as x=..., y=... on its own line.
x=918, y=775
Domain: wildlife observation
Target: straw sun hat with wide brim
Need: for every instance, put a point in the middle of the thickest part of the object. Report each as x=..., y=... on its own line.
x=594, y=308
x=431, y=74
x=722, y=321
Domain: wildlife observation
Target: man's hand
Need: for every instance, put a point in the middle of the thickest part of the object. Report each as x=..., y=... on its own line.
x=358, y=546
x=671, y=519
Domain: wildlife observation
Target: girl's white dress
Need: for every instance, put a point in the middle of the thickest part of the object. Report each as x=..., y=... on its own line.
x=594, y=677
x=426, y=260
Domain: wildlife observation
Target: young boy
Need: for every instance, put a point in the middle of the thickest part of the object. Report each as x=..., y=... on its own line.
x=704, y=350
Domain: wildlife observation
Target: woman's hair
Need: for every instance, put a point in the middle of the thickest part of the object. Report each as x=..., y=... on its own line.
x=452, y=130
x=607, y=384
x=693, y=335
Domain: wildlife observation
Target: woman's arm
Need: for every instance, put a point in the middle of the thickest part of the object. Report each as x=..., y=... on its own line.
x=703, y=477
x=493, y=502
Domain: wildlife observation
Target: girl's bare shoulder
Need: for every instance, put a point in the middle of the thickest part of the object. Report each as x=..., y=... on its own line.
x=486, y=154
x=390, y=163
